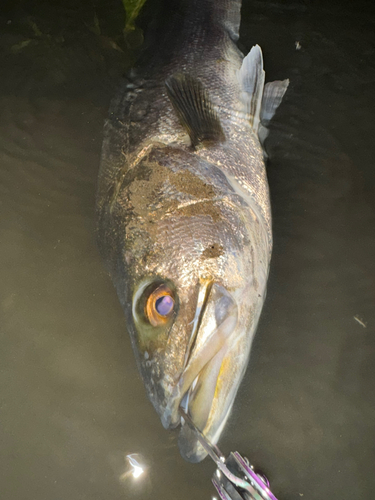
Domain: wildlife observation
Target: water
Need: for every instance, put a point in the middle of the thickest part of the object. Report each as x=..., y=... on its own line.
x=72, y=405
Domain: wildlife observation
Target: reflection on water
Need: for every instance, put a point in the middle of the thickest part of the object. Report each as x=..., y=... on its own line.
x=71, y=401
x=136, y=467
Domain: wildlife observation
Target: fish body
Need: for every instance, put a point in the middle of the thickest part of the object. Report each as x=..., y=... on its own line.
x=184, y=219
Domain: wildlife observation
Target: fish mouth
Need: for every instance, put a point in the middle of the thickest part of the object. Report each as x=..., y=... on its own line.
x=202, y=390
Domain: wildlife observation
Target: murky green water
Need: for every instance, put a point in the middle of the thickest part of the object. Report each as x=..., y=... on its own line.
x=71, y=402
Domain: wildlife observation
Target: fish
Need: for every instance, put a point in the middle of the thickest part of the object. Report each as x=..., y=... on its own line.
x=184, y=216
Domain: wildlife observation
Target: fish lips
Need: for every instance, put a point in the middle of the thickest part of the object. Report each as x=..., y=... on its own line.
x=198, y=390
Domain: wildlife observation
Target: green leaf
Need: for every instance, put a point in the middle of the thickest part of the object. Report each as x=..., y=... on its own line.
x=132, y=9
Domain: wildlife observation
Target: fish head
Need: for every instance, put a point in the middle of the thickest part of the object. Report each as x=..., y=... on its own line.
x=190, y=285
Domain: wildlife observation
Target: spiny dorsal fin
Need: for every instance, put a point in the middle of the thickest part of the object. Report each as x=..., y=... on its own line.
x=251, y=77
x=194, y=109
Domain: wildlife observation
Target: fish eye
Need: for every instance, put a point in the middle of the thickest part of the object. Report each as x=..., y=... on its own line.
x=164, y=305
x=159, y=306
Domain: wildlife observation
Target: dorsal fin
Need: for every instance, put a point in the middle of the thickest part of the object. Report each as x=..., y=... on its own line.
x=251, y=77
x=260, y=101
x=272, y=96
x=194, y=109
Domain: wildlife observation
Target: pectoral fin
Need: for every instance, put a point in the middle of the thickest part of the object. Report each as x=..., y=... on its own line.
x=194, y=109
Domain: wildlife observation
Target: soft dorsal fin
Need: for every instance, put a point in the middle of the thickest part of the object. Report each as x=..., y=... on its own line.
x=272, y=96
x=251, y=77
x=194, y=109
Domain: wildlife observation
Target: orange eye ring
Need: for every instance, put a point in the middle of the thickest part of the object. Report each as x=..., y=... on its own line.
x=159, y=306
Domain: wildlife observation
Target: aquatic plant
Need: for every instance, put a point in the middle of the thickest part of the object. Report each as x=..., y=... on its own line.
x=132, y=9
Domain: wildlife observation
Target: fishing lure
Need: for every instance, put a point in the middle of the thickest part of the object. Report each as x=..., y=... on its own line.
x=234, y=478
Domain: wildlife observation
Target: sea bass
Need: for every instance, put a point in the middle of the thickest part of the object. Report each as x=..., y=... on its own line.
x=184, y=220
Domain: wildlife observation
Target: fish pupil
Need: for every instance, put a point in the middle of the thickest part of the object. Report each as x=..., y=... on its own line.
x=164, y=305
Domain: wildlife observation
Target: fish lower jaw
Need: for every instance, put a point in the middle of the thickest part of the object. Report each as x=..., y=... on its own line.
x=199, y=401
x=184, y=403
x=171, y=418
x=185, y=397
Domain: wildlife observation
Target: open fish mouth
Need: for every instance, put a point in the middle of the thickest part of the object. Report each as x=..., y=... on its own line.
x=202, y=388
